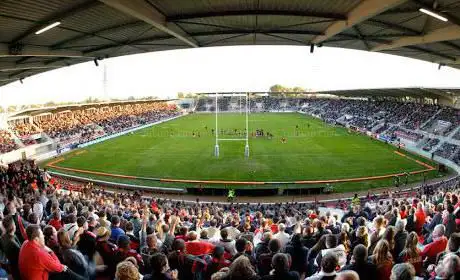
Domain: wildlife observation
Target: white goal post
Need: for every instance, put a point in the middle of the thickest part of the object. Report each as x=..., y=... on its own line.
x=246, y=139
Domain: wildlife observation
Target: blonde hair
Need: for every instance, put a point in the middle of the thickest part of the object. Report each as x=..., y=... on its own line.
x=411, y=245
x=363, y=234
x=382, y=252
x=126, y=270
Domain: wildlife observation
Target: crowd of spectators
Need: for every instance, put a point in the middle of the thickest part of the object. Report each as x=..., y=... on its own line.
x=7, y=144
x=447, y=114
x=24, y=129
x=430, y=144
x=49, y=232
x=87, y=124
x=257, y=104
x=447, y=150
x=420, y=115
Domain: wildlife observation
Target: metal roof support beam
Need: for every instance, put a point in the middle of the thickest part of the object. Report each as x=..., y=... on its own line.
x=235, y=32
x=141, y=10
x=28, y=50
x=443, y=34
x=365, y=10
x=256, y=13
x=11, y=66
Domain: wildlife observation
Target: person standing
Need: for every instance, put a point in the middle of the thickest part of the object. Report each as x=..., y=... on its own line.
x=36, y=260
x=11, y=245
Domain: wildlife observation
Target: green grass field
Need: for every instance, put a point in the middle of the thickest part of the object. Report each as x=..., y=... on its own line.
x=314, y=151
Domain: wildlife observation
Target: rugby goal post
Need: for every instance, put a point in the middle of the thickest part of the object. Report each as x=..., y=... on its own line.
x=246, y=138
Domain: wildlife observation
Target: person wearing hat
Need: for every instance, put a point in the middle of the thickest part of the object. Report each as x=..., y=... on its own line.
x=106, y=250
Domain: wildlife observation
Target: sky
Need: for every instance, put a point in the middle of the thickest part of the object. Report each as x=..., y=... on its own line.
x=227, y=69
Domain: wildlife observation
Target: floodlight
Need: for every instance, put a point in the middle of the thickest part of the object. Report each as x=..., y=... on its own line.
x=433, y=14
x=46, y=28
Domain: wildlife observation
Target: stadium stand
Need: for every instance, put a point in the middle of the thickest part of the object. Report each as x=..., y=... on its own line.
x=84, y=232
x=6, y=143
x=409, y=122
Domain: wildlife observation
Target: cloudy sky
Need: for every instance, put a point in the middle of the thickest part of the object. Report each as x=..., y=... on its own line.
x=226, y=69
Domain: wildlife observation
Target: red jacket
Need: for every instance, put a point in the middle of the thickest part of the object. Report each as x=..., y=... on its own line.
x=56, y=224
x=198, y=248
x=420, y=221
x=434, y=248
x=35, y=262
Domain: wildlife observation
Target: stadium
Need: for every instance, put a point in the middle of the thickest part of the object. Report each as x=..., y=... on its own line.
x=286, y=183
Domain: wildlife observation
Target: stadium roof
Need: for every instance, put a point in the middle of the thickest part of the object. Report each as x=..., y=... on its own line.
x=85, y=30
x=370, y=92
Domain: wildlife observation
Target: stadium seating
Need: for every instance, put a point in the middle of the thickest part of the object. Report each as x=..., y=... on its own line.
x=90, y=233
x=6, y=143
x=79, y=126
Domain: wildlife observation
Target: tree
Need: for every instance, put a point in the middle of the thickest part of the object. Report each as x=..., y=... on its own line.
x=277, y=88
x=131, y=98
x=180, y=95
x=189, y=95
x=11, y=108
x=298, y=89
x=50, y=103
x=2, y=110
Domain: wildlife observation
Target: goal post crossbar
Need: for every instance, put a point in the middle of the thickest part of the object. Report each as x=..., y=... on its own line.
x=246, y=139
x=232, y=139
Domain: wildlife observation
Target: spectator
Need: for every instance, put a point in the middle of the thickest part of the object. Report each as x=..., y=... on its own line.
x=400, y=238
x=196, y=247
x=430, y=251
x=280, y=264
x=160, y=269
x=244, y=247
x=217, y=262
x=333, y=247
x=116, y=231
x=282, y=236
x=411, y=254
x=383, y=260
x=36, y=260
x=188, y=266
x=74, y=259
x=124, y=251
x=328, y=265
x=361, y=265
x=403, y=271
x=298, y=254
x=262, y=247
x=10, y=245
x=264, y=261
x=241, y=269
x=224, y=241
x=126, y=270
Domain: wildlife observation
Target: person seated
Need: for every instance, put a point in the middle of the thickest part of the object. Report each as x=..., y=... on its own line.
x=328, y=265
x=361, y=265
x=382, y=259
x=281, y=266
x=402, y=271
x=431, y=250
